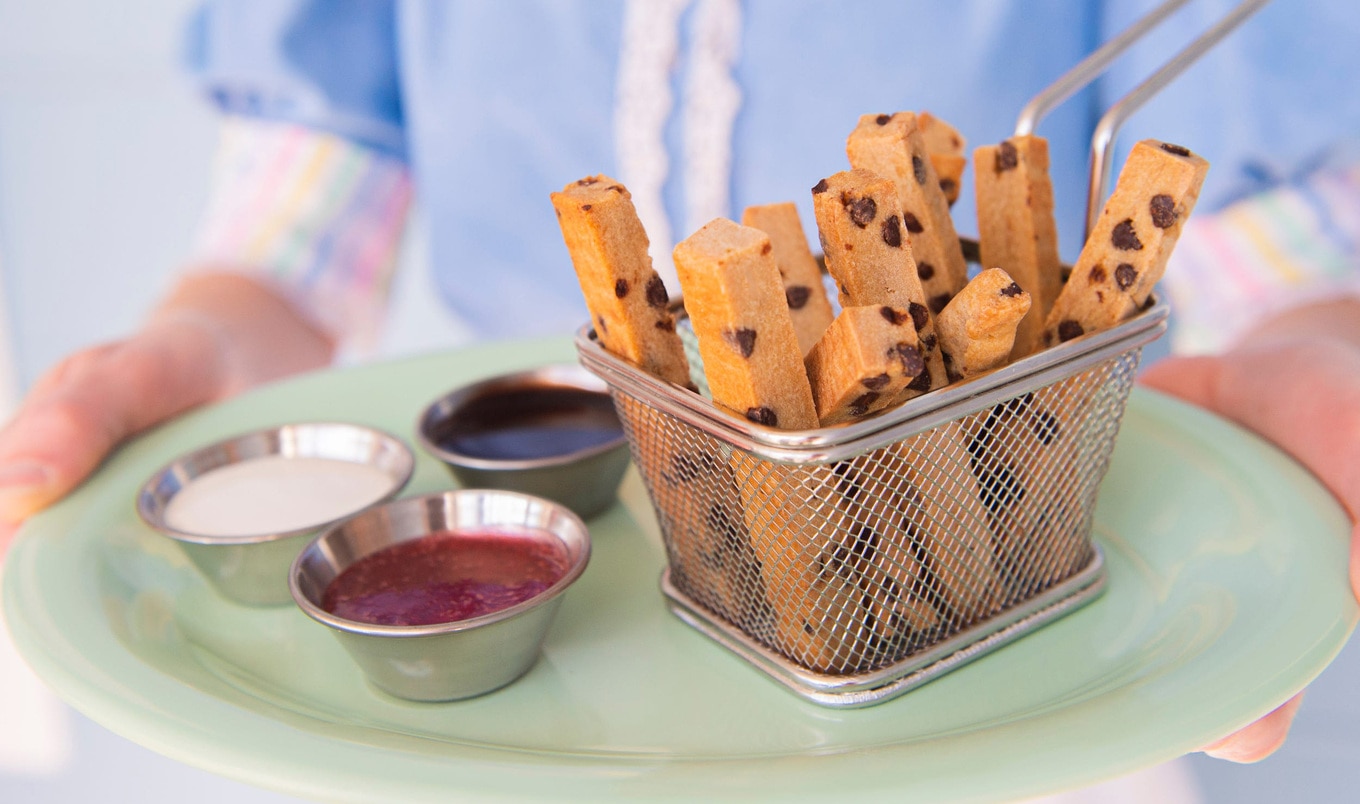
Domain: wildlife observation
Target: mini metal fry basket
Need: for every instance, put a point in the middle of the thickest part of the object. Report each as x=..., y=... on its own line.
x=853, y=563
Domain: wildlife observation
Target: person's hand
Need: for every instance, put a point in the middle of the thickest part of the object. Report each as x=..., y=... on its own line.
x=1296, y=382
x=217, y=334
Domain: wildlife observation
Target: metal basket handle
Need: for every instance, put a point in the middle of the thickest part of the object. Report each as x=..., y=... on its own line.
x=1089, y=68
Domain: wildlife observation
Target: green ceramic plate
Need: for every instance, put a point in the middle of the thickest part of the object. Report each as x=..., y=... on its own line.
x=1227, y=594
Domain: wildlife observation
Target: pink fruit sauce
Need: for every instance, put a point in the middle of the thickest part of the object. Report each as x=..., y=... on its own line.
x=446, y=577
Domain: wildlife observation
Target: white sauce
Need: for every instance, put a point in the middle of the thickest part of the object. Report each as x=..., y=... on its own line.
x=274, y=494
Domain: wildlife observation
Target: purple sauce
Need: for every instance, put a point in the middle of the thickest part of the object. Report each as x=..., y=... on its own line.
x=446, y=577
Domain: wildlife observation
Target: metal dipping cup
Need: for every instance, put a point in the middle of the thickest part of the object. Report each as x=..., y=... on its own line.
x=442, y=661
x=253, y=568
x=585, y=480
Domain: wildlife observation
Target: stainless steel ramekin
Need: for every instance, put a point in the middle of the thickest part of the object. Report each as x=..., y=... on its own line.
x=586, y=480
x=442, y=661
x=253, y=568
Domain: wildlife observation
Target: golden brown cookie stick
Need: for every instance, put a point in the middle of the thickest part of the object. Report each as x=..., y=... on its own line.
x=977, y=328
x=626, y=298
x=735, y=299
x=859, y=220
x=1131, y=242
x=1016, y=228
x=808, y=305
x=945, y=145
x=864, y=361
x=892, y=146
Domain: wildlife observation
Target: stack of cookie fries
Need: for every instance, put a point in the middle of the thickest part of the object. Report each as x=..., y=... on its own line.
x=891, y=468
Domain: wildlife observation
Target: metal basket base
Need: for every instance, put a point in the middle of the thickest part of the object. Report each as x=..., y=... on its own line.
x=867, y=689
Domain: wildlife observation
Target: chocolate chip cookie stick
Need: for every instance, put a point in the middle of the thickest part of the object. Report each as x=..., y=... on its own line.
x=626, y=298
x=863, y=362
x=1016, y=228
x=736, y=301
x=978, y=327
x=892, y=146
x=945, y=145
x=1127, y=251
x=859, y=220
x=802, y=276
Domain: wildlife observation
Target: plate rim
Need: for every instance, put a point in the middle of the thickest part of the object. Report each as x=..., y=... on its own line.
x=162, y=725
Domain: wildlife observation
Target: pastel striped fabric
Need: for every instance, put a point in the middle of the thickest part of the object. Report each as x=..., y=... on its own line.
x=1297, y=243
x=314, y=215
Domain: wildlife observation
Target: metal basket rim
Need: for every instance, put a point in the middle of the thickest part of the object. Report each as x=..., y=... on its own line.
x=923, y=413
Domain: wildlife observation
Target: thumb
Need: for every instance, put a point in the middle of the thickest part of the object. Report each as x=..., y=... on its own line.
x=1302, y=394
x=91, y=402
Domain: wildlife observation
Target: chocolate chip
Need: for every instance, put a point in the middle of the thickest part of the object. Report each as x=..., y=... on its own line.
x=616, y=188
x=586, y=182
x=883, y=119
x=909, y=357
x=913, y=225
x=921, y=383
x=1097, y=274
x=893, y=316
x=1100, y=297
x=1124, y=237
x=937, y=303
x=1046, y=427
x=765, y=249
x=862, y=211
x=1163, y=209
x=892, y=232
x=948, y=186
x=686, y=468
x=585, y=207
x=920, y=316
x=797, y=296
x=1125, y=275
x=1011, y=290
x=860, y=406
x=621, y=288
x=875, y=383
x=1007, y=158
x=925, y=270
x=743, y=340
x=666, y=324
x=604, y=330
x=762, y=415
x=929, y=342
x=1068, y=330
x=865, y=546
x=1178, y=150
x=918, y=169
x=656, y=292
x=819, y=187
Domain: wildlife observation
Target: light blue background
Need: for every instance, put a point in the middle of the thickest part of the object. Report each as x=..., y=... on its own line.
x=103, y=156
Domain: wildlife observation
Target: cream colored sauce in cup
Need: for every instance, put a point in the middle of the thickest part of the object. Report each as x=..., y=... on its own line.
x=274, y=494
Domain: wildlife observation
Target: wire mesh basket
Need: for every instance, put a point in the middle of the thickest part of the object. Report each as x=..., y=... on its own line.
x=853, y=563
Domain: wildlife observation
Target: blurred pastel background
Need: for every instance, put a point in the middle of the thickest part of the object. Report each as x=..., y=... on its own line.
x=103, y=169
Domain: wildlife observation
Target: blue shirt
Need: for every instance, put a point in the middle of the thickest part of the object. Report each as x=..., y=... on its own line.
x=494, y=104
